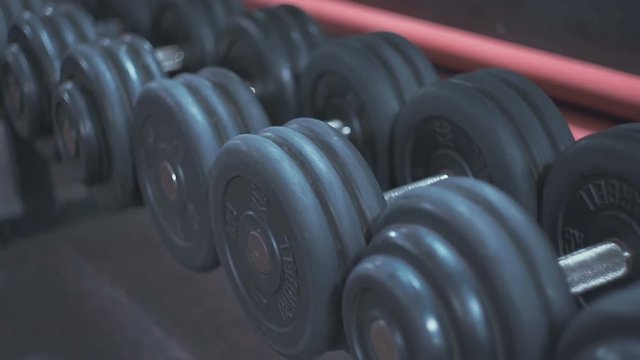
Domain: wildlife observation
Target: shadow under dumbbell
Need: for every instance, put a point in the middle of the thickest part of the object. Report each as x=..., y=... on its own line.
x=105, y=288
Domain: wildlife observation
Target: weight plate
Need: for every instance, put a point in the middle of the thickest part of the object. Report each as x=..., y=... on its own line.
x=185, y=23
x=291, y=38
x=397, y=69
x=494, y=309
x=451, y=128
x=111, y=73
x=593, y=195
x=309, y=27
x=342, y=82
x=179, y=127
x=248, y=113
x=247, y=49
x=423, y=70
x=546, y=111
x=31, y=70
x=287, y=230
x=608, y=329
x=530, y=241
x=527, y=127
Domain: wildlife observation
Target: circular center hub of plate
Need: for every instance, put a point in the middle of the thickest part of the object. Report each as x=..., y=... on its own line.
x=383, y=341
x=258, y=253
x=447, y=162
x=168, y=180
x=441, y=146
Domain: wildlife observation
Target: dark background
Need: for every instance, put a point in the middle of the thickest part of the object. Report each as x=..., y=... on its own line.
x=606, y=32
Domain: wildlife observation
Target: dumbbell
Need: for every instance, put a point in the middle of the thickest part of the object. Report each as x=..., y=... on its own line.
x=359, y=84
x=178, y=127
x=31, y=67
x=292, y=209
x=93, y=142
x=172, y=182
x=490, y=124
x=269, y=49
x=12, y=9
x=459, y=270
x=608, y=329
x=592, y=194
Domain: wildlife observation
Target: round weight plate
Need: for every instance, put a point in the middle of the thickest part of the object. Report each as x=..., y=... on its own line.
x=310, y=29
x=43, y=40
x=399, y=72
x=179, y=127
x=78, y=137
x=608, y=329
x=527, y=127
x=287, y=230
x=493, y=306
x=453, y=129
x=527, y=236
x=186, y=24
x=89, y=69
x=545, y=110
x=422, y=69
x=592, y=195
x=342, y=82
x=291, y=37
x=246, y=48
x=248, y=113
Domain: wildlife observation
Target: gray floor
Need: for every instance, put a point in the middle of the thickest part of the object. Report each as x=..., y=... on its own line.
x=105, y=288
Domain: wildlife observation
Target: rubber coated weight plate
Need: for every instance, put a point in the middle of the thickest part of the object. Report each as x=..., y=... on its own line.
x=527, y=127
x=31, y=65
x=527, y=236
x=248, y=48
x=453, y=129
x=423, y=70
x=110, y=76
x=291, y=35
x=592, y=195
x=544, y=108
x=608, y=329
x=492, y=309
x=343, y=82
x=400, y=73
x=287, y=230
x=179, y=127
x=185, y=23
x=248, y=113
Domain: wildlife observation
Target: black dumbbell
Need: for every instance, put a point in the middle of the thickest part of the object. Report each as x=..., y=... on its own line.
x=173, y=162
x=608, y=329
x=359, y=84
x=11, y=10
x=179, y=125
x=459, y=270
x=196, y=26
x=31, y=67
x=292, y=209
x=269, y=49
x=491, y=124
x=592, y=194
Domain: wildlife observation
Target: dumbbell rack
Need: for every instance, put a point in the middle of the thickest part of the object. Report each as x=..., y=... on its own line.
x=609, y=92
